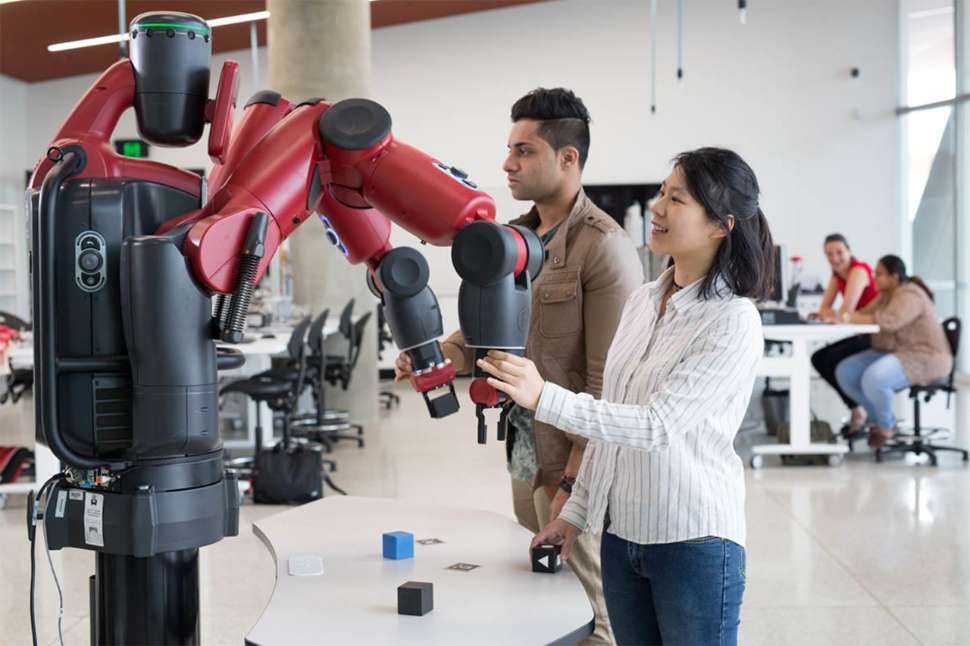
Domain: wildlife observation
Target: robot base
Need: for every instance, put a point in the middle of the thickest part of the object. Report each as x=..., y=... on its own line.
x=151, y=600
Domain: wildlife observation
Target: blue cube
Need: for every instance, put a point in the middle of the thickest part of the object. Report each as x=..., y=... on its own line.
x=398, y=545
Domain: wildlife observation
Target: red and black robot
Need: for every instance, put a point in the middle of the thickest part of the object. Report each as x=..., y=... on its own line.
x=140, y=268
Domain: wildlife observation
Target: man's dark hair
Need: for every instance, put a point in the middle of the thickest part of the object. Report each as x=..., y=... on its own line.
x=565, y=119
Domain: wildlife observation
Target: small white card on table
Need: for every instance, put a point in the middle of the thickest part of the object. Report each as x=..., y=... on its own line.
x=305, y=565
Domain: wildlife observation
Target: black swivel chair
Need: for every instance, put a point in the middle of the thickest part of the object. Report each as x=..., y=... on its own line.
x=279, y=388
x=339, y=369
x=274, y=388
x=19, y=381
x=324, y=425
x=388, y=398
x=918, y=441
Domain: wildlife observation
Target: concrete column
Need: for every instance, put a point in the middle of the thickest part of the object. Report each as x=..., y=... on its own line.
x=321, y=48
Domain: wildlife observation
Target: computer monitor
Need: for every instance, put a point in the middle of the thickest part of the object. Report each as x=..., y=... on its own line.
x=778, y=293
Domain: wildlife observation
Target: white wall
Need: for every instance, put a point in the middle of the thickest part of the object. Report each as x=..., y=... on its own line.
x=777, y=90
x=13, y=142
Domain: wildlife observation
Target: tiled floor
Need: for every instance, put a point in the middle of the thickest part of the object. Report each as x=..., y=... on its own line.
x=860, y=554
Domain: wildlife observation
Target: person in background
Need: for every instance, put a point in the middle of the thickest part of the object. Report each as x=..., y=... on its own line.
x=910, y=347
x=854, y=281
x=591, y=268
x=661, y=475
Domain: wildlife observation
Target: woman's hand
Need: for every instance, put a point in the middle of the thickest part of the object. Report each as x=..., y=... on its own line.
x=402, y=367
x=827, y=315
x=858, y=318
x=515, y=376
x=557, y=532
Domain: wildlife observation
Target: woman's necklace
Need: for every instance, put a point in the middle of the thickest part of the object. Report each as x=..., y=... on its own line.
x=677, y=287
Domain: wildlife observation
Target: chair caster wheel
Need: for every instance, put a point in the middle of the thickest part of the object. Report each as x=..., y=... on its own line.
x=757, y=461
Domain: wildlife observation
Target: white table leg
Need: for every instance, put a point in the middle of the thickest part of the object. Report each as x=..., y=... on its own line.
x=800, y=414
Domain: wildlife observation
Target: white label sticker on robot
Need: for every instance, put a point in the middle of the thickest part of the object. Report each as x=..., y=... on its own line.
x=77, y=494
x=61, y=503
x=93, y=525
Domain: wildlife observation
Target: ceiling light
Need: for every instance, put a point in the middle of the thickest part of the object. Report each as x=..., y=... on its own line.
x=243, y=17
x=87, y=42
x=117, y=38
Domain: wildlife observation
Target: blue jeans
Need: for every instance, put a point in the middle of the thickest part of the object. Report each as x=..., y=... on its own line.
x=686, y=593
x=872, y=379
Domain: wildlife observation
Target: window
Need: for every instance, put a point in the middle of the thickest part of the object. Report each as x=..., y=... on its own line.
x=933, y=136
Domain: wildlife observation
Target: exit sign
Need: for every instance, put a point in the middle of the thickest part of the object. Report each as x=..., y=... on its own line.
x=131, y=147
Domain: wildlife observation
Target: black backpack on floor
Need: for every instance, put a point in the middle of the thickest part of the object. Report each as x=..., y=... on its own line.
x=287, y=477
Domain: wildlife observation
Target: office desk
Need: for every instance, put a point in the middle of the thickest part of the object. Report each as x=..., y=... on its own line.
x=355, y=600
x=797, y=368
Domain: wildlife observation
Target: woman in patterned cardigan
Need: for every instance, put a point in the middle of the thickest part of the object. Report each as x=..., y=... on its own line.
x=910, y=347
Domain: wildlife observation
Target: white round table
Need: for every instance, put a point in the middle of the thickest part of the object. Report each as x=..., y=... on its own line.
x=355, y=600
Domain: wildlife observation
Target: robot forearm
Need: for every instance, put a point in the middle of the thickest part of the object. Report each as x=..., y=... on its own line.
x=342, y=162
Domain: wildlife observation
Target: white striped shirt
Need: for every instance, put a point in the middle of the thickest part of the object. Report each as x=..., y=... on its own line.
x=661, y=452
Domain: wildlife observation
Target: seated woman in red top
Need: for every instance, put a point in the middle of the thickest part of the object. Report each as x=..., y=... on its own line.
x=854, y=280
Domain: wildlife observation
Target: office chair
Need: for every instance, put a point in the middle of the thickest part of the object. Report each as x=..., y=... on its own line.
x=387, y=397
x=18, y=382
x=338, y=369
x=324, y=425
x=279, y=389
x=919, y=441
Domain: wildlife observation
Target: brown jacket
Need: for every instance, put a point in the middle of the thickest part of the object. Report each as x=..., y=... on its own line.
x=910, y=329
x=591, y=268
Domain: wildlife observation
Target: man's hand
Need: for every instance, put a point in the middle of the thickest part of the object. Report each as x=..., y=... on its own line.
x=558, y=532
x=403, y=367
x=558, y=501
x=515, y=376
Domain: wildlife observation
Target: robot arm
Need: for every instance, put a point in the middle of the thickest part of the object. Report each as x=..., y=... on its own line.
x=342, y=162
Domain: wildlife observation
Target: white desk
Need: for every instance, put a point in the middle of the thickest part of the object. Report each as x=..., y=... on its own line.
x=355, y=600
x=21, y=356
x=797, y=368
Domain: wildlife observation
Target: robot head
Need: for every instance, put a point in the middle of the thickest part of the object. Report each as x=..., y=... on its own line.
x=170, y=53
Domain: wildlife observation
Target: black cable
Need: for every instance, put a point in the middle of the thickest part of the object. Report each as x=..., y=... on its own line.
x=33, y=622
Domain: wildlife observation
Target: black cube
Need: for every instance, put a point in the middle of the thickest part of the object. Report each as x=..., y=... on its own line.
x=415, y=598
x=546, y=559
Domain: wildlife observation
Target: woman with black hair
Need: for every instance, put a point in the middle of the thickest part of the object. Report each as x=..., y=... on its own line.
x=910, y=347
x=660, y=474
x=853, y=279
